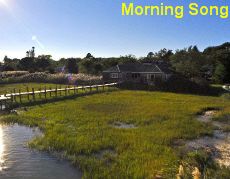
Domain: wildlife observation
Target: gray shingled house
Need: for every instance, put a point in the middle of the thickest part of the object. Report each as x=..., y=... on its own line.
x=147, y=73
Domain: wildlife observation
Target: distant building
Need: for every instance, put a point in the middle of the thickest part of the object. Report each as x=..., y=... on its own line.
x=1, y=67
x=61, y=69
x=31, y=53
x=147, y=73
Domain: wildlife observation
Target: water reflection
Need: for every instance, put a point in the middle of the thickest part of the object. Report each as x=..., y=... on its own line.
x=17, y=161
x=1, y=149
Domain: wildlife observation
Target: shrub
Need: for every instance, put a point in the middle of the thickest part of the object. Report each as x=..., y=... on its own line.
x=176, y=83
x=181, y=84
x=226, y=96
x=12, y=74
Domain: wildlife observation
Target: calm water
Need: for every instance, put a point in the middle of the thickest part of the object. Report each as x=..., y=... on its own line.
x=17, y=161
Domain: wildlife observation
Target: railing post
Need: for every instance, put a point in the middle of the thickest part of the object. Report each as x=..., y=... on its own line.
x=45, y=93
x=40, y=94
x=5, y=97
x=68, y=89
x=5, y=103
x=20, y=96
x=56, y=91
x=60, y=89
x=33, y=94
x=12, y=97
x=50, y=92
x=15, y=95
x=74, y=88
x=28, y=95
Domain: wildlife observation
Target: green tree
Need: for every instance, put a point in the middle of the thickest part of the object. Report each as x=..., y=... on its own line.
x=127, y=59
x=89, y=56
x=6, y=60
x=188, y=62
x=44, y=62
x=164, y=54
x=220, y=73
x=72, y=66
x=86, y=66
x=10, y=64
x=27, y=64
x=220, y=54
x=150, y=55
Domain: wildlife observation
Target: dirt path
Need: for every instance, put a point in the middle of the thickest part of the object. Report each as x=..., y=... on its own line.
x=218, y=145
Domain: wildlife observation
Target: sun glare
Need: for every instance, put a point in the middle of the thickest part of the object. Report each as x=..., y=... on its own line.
x=3, y=2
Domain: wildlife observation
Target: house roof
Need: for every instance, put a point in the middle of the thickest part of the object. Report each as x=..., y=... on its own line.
x=140, y=68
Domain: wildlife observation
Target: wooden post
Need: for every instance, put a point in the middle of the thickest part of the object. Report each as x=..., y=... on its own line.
x=33, y=94
x=15, y=95
x=97, y=88
x=77, y=89
x=5, y=104
x=66, y=91
x=20, y=96
x=103, y=87
x=60, y=90
x=74, y=90
x=40, y=94
x=56, y=92
x=5, y=96
x=45, y=93
x=1, y=101
x=12, y=97
x=50, y=92
x=28, y=95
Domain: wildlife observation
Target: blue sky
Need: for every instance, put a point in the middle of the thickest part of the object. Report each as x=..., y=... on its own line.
x=72, y=28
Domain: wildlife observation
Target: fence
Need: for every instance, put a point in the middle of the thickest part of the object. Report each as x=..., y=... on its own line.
x=18, y=97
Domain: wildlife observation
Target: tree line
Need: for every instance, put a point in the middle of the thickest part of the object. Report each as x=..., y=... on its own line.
x=212, y=64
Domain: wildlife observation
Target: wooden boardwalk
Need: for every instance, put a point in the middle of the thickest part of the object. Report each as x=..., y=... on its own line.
x=11, y=97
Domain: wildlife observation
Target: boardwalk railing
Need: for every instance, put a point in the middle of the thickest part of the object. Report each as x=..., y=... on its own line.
x=17, y=97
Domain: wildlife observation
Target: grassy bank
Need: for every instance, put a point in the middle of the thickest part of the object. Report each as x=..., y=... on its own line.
x=85, y=130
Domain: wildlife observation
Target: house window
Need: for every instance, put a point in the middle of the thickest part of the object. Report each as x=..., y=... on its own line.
x=136, y=75
x=114, y=75
x=150, y=77
x=159, y=76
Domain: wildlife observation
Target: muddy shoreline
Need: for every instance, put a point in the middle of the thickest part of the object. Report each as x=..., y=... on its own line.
x=218, y=145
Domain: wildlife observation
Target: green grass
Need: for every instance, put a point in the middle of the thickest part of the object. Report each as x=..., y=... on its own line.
x=8, y=88
x=82, y=129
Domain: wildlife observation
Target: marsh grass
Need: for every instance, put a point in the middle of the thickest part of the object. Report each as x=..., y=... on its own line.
x=59, y=78
x=8, y=88
x=81, y=128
